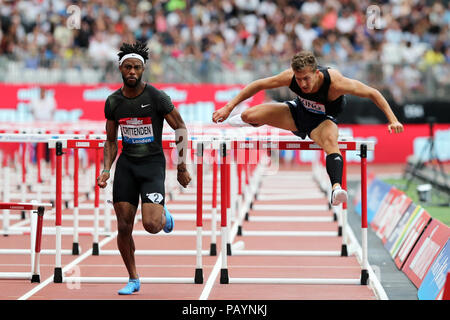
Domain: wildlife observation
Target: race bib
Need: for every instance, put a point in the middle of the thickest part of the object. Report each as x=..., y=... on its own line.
x=137, y=130
x=313, y=106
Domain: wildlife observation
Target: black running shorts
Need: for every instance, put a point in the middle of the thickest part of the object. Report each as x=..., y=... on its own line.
x=304, y=120
x=135, y=176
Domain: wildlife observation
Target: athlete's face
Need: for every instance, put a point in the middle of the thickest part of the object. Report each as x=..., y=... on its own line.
x=307, y=79
x=131, y=70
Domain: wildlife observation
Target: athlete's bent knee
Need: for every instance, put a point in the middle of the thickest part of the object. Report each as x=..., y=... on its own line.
x=330, y=143
x=152, y=227
x=248, y=117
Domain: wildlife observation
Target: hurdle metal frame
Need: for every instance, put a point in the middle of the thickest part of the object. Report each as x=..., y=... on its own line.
x=40, y=137
x=290, y=144
x=35, y=237
x=98, y=145
x=363, y=147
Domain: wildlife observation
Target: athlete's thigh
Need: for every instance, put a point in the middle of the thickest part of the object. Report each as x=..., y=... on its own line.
x=326, y=135
x=152, y=193
x=152, y=214
x=151, y=178
x=125, y=185
x=273, y=114
x=152, y=190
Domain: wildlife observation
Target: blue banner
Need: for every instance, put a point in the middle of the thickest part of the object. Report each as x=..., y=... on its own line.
x=376, y=191
x=432, y=286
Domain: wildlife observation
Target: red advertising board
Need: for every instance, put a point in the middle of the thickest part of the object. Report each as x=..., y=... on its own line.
x=393, y=215
x=396, y=148
x=86, y=102
x=425, y=251
x=196, y=103
x=382, y=214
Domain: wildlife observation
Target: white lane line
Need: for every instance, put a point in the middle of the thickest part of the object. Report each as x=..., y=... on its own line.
x=215, y=271
x=212, y=278
x=373, y=279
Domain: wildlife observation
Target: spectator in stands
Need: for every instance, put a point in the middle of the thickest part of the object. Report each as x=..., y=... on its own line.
x=346, y=23
x=329, y=19
x=266, y=32
x=411, y=54
x=434, y=55
x=311, y=8
x=306, y=33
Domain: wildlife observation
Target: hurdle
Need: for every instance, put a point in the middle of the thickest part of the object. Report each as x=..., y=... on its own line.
x=35, y=237
x=291, y=144
x=363, y=147
x=24, y=137
x=200, y=146
x=59, y=145
x=98, y=145
x=38, y=136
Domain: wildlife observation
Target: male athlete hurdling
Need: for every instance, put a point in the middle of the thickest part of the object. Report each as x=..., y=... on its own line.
x=320, y=98
x=140, y=109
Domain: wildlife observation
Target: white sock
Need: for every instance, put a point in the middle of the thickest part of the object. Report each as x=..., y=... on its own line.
x=236, y=121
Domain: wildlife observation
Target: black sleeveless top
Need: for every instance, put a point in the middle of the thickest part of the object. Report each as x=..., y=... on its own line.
x=317, y=102
x=141, y=121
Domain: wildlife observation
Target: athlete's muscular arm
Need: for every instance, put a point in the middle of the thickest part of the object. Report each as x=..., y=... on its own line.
x=109, y=152
x=174, y=119
x=280, y=80
x=341, y=85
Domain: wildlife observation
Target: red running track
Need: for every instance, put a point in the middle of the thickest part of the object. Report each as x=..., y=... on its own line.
x=184, y=266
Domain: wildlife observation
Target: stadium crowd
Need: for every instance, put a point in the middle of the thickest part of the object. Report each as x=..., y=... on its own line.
x=396, y=41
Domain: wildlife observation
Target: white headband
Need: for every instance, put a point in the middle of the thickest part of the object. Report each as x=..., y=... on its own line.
x=131, y=55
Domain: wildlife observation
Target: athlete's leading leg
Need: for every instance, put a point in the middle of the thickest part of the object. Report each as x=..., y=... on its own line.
x=273, y=114
x=155, y=215
x=326, y=136
x=125, y=213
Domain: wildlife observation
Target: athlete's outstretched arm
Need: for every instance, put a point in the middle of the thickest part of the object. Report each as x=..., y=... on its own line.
x=174, y=119
x=109, y=152
x=280, y=80
x=344, y=85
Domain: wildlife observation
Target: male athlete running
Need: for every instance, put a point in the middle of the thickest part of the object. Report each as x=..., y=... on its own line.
x=140, y=109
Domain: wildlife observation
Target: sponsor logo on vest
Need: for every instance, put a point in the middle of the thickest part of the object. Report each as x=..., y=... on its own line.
x=313, y=106
x=137, y=130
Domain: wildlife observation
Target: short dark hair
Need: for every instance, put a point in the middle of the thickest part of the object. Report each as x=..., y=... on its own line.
x=139, y=48
x=304, y=59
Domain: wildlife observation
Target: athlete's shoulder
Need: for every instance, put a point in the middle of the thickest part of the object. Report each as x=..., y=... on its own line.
x=340, y=84
x=334, y=72
x=286, y=74
x=335, y=75
x=151, y=89
x=281, y=79
x=116, y=93
x=114, y=96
